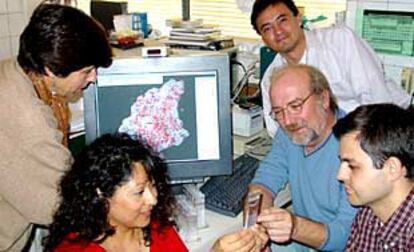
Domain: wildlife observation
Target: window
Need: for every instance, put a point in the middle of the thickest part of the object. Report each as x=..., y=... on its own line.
x=232, y=21
x=222, y=12
x=225, y=13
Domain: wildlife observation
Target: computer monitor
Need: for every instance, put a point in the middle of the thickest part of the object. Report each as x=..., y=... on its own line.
x=179, y=105
x=104, y=12
x=387, y=31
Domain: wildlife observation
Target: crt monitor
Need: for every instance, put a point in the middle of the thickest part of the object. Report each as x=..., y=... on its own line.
x=104, y=12
x=179, y=105
x=389, y=32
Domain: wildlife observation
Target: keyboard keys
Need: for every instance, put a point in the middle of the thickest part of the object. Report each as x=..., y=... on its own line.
x=224, y=194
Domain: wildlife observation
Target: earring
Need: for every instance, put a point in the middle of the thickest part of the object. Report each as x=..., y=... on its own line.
x=99, y=193
x=53, y=87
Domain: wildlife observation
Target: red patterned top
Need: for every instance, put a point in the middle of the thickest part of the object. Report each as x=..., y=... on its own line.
x=369, y=234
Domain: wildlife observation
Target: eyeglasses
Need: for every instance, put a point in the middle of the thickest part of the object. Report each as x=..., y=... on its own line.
x=292, y=108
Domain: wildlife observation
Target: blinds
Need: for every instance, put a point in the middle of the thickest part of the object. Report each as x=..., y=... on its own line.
x=221, y=12
x=225, y=13
x=232, y=21
x=236, y=23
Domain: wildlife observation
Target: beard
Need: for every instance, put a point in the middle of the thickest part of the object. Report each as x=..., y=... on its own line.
x=309, y=134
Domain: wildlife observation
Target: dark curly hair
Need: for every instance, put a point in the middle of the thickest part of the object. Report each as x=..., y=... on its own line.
x=64, y=39
x=107, y=163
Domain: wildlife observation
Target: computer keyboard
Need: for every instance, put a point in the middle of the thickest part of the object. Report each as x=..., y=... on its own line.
x=224, y=194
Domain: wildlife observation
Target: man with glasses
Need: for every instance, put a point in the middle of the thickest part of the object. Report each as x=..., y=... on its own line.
x=305, y=154
x=354, y=71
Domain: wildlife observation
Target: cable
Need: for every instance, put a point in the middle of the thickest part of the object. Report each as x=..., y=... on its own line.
x=243, y=82
x=235, y=62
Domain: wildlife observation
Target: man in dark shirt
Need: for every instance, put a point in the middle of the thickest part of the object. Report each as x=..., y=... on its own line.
x=377, y=169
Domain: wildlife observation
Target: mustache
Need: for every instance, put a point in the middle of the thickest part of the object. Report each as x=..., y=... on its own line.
x=294, y=126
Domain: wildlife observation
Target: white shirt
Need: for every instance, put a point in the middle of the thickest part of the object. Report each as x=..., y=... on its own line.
x=354, y=72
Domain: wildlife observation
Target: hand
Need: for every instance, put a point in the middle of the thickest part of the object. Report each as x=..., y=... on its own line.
x=261, y=236
x=243, y=241
x=279, y=223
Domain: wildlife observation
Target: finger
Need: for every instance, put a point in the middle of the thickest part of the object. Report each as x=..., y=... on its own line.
x=245, y=242
x=273, y=224
x=240, y=235
x=273, y=214
x=247, y=246
x=276, y=230
x=260, y=232
x=261, y=236
x=278, y=235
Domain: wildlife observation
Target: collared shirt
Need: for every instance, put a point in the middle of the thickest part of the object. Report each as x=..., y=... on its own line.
x=316, y=193
x=353, y=70
x=369, y=234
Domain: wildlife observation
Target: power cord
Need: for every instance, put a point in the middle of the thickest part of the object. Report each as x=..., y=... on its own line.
x=244, y=81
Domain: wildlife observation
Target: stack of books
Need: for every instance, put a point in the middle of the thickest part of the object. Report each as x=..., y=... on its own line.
x=198, y=36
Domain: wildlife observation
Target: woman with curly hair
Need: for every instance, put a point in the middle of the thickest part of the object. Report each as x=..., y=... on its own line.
x=115, y=198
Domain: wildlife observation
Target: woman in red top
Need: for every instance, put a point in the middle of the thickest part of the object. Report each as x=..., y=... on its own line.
x=115, y=198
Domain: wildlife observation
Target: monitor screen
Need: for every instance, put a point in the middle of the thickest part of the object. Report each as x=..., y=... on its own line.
x=178, y=105
x=389, y=32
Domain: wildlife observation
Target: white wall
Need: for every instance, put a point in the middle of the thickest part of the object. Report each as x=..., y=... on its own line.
x=14, y=15
x=12, y=21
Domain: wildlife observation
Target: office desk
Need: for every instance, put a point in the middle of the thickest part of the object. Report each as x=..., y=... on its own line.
x=219, y=225
x=173, y=52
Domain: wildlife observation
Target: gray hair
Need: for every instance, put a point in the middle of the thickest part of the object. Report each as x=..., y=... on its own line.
x=318, y=81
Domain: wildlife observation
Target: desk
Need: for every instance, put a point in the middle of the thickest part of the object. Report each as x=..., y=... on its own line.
x=219, y=225
x=173, y=52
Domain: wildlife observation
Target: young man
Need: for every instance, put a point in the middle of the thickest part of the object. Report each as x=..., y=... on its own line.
x=305, y=154
x=354, y=72
x=377, y=169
